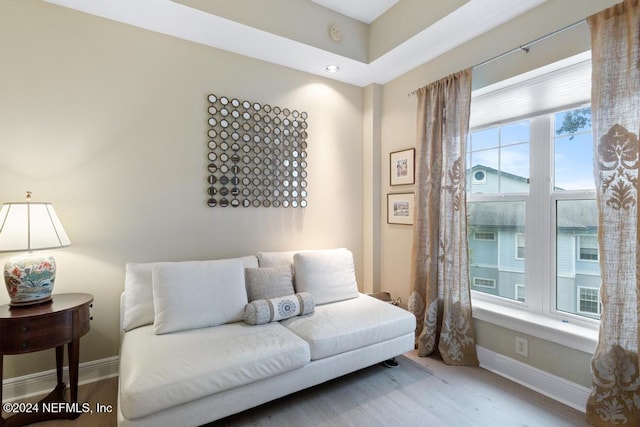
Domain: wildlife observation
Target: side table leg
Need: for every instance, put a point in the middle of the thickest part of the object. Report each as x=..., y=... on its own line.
x=73, y=349
x=59, y=362
x=1, y=373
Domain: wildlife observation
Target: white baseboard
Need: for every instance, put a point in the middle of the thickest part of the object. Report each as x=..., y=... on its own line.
x=554, y=387
x=43, y=382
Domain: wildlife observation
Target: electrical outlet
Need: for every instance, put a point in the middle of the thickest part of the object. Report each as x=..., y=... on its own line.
x=522, y=347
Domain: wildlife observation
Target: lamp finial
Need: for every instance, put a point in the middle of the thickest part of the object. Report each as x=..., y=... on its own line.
x=28, y=196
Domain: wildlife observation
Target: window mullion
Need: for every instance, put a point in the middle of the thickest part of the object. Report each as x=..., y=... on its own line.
x=538, y=241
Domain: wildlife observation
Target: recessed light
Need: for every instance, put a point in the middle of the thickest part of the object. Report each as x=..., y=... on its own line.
x=332, y=69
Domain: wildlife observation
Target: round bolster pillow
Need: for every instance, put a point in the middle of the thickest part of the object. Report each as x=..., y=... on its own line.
x=274, y=309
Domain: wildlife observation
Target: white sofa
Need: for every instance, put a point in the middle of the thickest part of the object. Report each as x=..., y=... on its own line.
x=189, y=357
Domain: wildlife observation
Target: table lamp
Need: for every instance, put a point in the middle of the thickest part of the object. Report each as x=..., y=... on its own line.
x=27, y=226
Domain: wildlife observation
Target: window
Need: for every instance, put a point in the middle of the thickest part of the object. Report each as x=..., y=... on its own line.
x=502, y=152
x=538, y=183
x=519, y=246
x=479, y=177
x=589, y=301
x=484, y=283
x=588, y=248
x=484, y=235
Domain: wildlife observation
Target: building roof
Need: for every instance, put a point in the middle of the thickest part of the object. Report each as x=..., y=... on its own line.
x=571, y=214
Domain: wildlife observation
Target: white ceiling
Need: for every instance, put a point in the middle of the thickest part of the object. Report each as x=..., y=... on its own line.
x=363, y=10
x=165, y=16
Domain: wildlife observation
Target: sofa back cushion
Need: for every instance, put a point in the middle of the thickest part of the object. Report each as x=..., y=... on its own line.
x=197, y=294
x=329, y=275
x=138, y=292
x=275, y=259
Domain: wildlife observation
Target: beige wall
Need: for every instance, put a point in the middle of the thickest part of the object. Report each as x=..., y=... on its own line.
x=108, y=122
x=399, y=132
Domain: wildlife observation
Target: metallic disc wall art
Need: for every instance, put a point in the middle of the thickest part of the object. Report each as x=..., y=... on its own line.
x=257, y=154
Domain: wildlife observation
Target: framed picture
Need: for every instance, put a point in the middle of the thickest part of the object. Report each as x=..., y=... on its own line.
x=401, y=164
x=400, y=208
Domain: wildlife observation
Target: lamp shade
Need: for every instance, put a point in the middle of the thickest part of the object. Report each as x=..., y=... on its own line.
x=28, y=226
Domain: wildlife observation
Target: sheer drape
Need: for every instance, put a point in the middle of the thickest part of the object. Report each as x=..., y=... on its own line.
x=440, y=296
x=615, y=38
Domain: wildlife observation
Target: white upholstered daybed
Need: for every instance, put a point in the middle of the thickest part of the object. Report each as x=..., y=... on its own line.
x=189, y=357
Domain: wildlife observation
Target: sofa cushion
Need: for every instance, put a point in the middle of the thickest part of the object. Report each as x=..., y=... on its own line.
x=268, y=282
x=197, y=294
x=158, y=372
x=341, y=326
x=275, y=309
x=328, y=275
x=138, y=292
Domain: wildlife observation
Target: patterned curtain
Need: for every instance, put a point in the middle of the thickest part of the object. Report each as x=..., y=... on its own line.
x=615, y=104
x=440, y=297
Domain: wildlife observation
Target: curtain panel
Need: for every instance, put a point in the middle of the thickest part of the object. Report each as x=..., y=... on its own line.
x=615, y=104
x=440, y=297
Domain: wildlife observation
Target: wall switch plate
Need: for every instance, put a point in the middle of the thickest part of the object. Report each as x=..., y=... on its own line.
x=522, y=347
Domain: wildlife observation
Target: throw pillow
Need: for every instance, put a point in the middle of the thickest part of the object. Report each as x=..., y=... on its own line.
x=268, y=282
x=275, y=259
x=274, y=309
x=197, y=294
x=329, y=275
x=138, y=295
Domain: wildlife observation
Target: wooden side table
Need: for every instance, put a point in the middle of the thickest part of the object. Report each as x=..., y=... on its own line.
x=38, y=327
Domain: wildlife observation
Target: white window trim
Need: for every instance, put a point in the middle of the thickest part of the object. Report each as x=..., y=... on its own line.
x=576, y=335
x=541, y=319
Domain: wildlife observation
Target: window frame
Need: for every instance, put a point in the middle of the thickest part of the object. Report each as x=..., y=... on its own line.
x=540, y=297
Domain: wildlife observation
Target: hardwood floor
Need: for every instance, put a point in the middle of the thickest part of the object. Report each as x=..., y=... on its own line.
x=419, y=392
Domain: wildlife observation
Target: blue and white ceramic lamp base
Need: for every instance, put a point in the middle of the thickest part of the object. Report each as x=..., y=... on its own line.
x=30, y=278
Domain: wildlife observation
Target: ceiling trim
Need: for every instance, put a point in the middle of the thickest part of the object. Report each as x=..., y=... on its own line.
x=164, y=16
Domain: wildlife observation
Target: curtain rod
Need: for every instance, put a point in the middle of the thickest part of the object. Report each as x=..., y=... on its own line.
x=522, y=48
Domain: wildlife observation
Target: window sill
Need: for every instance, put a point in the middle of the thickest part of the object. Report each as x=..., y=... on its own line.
x=560, y=332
